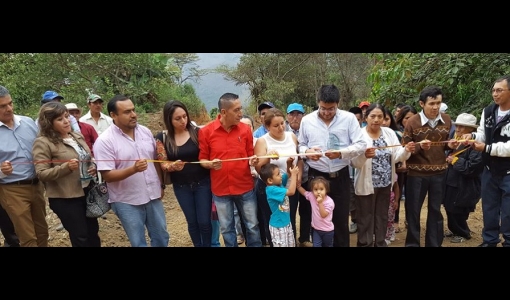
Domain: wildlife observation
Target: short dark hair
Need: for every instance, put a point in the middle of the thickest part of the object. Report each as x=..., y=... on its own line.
x=112, y=104
x=503, y=78
x=430, y=91
x=266, y=171
x=328, y=93
x=226, y=99
x=356, y=110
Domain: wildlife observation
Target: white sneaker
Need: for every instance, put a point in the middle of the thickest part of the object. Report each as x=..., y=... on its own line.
x=59, y=227
x=392, y=237
x=353, y=228
x=388, y=242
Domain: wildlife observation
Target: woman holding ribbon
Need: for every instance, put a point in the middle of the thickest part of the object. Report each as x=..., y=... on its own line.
x=191, y=181
x=64, y=166
x=281, y=144
x=374, y=177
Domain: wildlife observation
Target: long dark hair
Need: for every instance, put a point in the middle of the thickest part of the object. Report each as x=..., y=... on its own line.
x=48, y=112
x=404, y=110
x=393, y=123
x=168, y=112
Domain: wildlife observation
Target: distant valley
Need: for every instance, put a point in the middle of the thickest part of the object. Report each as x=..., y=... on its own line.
x=212, y=86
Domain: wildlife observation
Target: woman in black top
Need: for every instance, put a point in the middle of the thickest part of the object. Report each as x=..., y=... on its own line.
x=191, y=182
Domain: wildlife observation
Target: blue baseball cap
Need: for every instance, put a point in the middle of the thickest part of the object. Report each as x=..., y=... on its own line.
x=48, y=96
x=295, y=106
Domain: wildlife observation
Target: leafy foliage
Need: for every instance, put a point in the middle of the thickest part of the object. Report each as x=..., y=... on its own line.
x=284, y=78
x=148, y=79
x=465, y=78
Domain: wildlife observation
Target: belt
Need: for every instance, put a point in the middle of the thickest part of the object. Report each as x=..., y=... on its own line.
x=327, y=175
x=28, y=181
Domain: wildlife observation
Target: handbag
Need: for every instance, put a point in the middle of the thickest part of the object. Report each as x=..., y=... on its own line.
x=97, y=199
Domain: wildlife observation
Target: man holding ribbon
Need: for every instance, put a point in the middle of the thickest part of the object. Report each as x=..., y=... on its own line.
x=226, y=148
x=429, y=129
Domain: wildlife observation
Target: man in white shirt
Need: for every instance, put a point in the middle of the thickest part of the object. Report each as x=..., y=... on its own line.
x=95, y=116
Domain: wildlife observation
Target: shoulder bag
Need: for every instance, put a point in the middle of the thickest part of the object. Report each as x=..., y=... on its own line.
x=97, y=199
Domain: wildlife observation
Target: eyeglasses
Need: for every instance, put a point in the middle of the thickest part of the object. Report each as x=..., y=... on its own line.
x=331, y=109
x=498, y=91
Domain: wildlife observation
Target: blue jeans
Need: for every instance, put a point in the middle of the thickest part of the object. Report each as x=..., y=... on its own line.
x=195, y=200
x=134, y=219
x=247, y=205
x=495, y=208
x=215, y=238
x=322, y=238
x=239, y=228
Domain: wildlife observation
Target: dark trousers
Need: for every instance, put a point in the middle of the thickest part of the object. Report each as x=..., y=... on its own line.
x=305, y=216
x=417, y=188
x=263, y=212
x=83, y=231
x=293, y=205
x=340, y=193
x=457, y=223
x=401, y=183
x=7, y=229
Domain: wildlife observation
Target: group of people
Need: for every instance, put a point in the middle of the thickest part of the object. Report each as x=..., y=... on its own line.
x=44, y=158
x=327, y=165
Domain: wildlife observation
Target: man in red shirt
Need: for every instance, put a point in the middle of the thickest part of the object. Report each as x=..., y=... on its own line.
x=223, y=144
x=88, y=131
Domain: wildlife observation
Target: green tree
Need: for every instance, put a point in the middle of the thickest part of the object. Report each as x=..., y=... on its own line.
x=148, y=79
x=283, y=78
x=465, y=78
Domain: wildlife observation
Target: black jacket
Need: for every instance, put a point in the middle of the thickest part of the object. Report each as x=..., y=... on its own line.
x=464, y=179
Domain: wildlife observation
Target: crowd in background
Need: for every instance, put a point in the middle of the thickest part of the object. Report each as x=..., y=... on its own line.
x=343, y=172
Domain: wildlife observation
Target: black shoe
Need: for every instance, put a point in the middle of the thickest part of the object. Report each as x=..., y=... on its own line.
x=487, y=245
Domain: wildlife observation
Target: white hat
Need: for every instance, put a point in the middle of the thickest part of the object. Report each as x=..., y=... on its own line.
x=72, y=106
x=443, y=107
x=465, y=119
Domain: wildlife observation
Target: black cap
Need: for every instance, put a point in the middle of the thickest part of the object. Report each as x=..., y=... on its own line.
x=265, y=105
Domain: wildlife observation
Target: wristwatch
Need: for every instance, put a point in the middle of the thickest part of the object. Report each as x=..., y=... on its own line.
x=163, y=186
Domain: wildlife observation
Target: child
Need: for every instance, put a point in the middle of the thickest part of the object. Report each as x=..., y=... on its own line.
x=278, y=194
x=322, y=211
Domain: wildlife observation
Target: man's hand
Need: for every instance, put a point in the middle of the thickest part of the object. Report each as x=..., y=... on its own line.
x=317, y=150
x=425, y=144
x=478, y=146
x=140, y=165
x=6, y=167
x=331, y=154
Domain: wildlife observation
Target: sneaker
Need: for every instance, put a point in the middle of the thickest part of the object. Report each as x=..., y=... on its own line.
x=353, y=228
x=388, y=242
x=306, y=244
x=392, y=237
x=59, y=227
x=448, y=233
x=457, y=239
x=240, y=239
